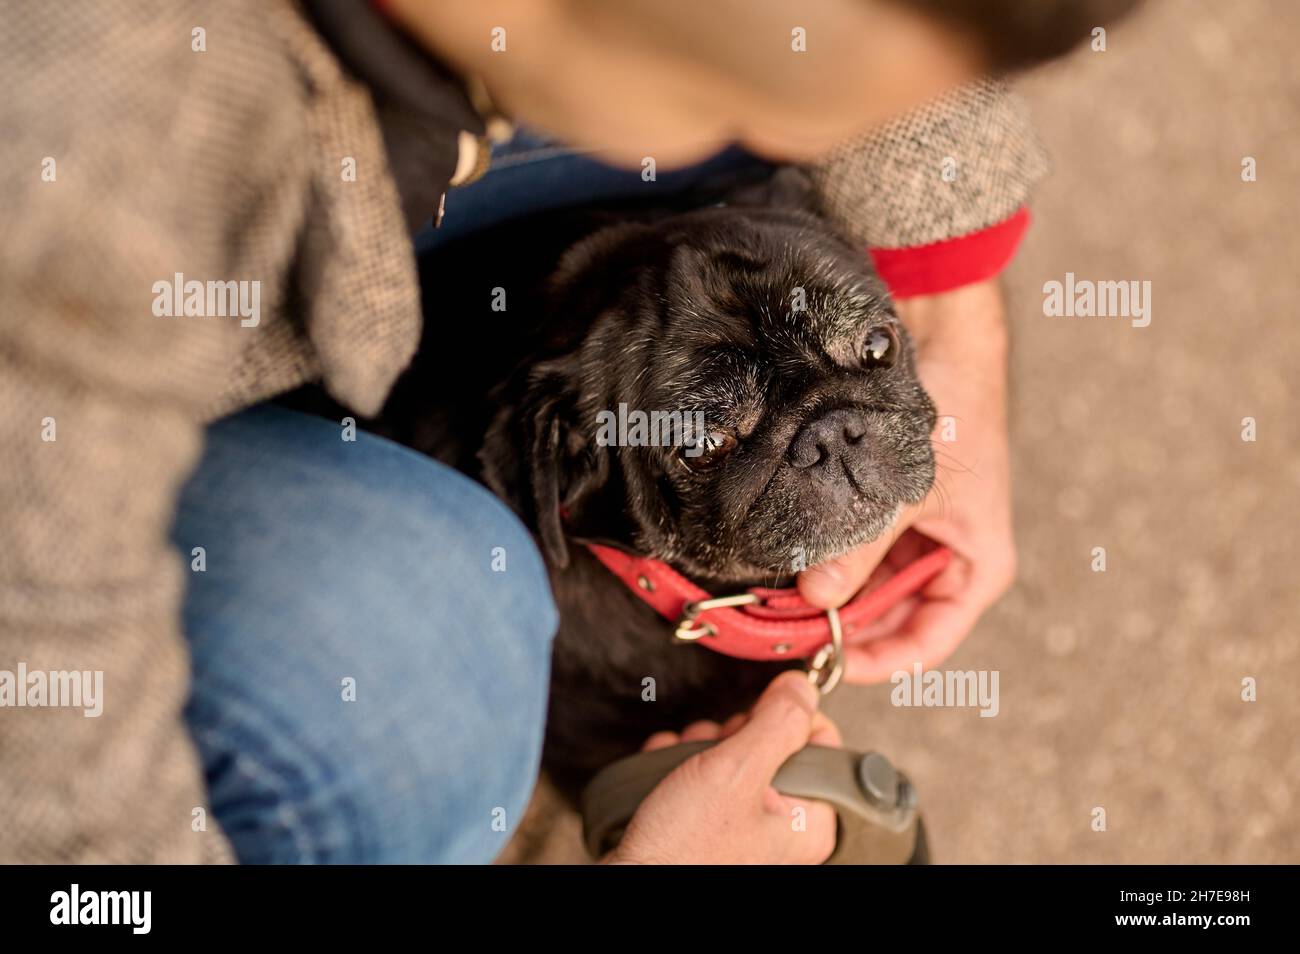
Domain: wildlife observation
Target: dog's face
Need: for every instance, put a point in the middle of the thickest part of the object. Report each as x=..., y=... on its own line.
x=764, y=328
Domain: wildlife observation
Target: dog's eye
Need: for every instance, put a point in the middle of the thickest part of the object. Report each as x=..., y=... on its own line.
x=880, y=349
x=707, y=451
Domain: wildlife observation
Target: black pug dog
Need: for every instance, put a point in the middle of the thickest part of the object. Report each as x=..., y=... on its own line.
x=753, y=312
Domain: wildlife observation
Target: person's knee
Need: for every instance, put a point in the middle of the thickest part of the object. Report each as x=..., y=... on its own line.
x=475, y=562
x=441, y=745
x=391, y=707
x=360, y=538
x=480, y=618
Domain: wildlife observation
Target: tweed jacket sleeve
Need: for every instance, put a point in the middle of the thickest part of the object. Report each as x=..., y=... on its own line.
x=142, y=140
x=938, y=195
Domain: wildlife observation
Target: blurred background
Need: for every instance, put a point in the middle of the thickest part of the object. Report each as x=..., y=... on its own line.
x=1123, y=689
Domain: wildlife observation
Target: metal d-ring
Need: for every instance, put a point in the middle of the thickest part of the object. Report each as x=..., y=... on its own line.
x=687, y=629
x=827, y=666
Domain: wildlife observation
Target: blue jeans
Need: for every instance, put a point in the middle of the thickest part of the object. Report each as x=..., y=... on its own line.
x=370, y=643
x=371, y=635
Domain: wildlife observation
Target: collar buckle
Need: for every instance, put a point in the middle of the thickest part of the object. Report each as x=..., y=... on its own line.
x=689, y=629
x=826, y=667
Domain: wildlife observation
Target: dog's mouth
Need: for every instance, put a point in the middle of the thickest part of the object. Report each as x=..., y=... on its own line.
x=778, y=565
x=785, y=547
x=840, y=484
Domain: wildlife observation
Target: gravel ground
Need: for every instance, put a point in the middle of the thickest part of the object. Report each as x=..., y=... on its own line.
x=1123, y=689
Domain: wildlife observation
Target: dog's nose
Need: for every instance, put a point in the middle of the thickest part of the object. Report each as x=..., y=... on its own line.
x=835, y=435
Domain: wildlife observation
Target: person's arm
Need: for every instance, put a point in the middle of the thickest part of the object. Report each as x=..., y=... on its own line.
x=938, y=200
x=113, y=181
x=90, y=586
x=938, y=196
x=98, y=426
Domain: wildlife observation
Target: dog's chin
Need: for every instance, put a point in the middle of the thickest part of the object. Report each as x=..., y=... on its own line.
x=816, y=541
x=770, y=554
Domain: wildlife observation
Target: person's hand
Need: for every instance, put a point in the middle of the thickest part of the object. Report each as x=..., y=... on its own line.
x=719, y=807
x=961, y=345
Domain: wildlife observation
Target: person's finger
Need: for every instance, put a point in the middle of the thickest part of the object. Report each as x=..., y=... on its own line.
x=886, y=625
x=929, y=636
x=948, y=585
x=734, y=723
x=660, y=740
x=833, y=582
x=909, y=546
x=825, y=732
x=778, y=726
x=954, y=578
x=701, y=731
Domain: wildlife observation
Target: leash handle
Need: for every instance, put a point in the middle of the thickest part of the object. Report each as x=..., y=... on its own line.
x=875, y=805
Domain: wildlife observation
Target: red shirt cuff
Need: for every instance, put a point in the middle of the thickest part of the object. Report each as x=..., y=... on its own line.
x=952, y=263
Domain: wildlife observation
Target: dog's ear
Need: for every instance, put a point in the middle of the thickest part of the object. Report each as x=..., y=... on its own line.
x=789, y=188
x=539, y=457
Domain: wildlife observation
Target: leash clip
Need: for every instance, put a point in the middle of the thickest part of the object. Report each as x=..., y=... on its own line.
x=827, y=665
x=689, y=629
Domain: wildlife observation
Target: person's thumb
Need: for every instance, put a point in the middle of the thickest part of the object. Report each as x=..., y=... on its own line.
x=779, y=726
x=832, y=583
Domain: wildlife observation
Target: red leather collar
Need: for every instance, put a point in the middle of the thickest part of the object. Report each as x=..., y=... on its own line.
x=778, y=624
